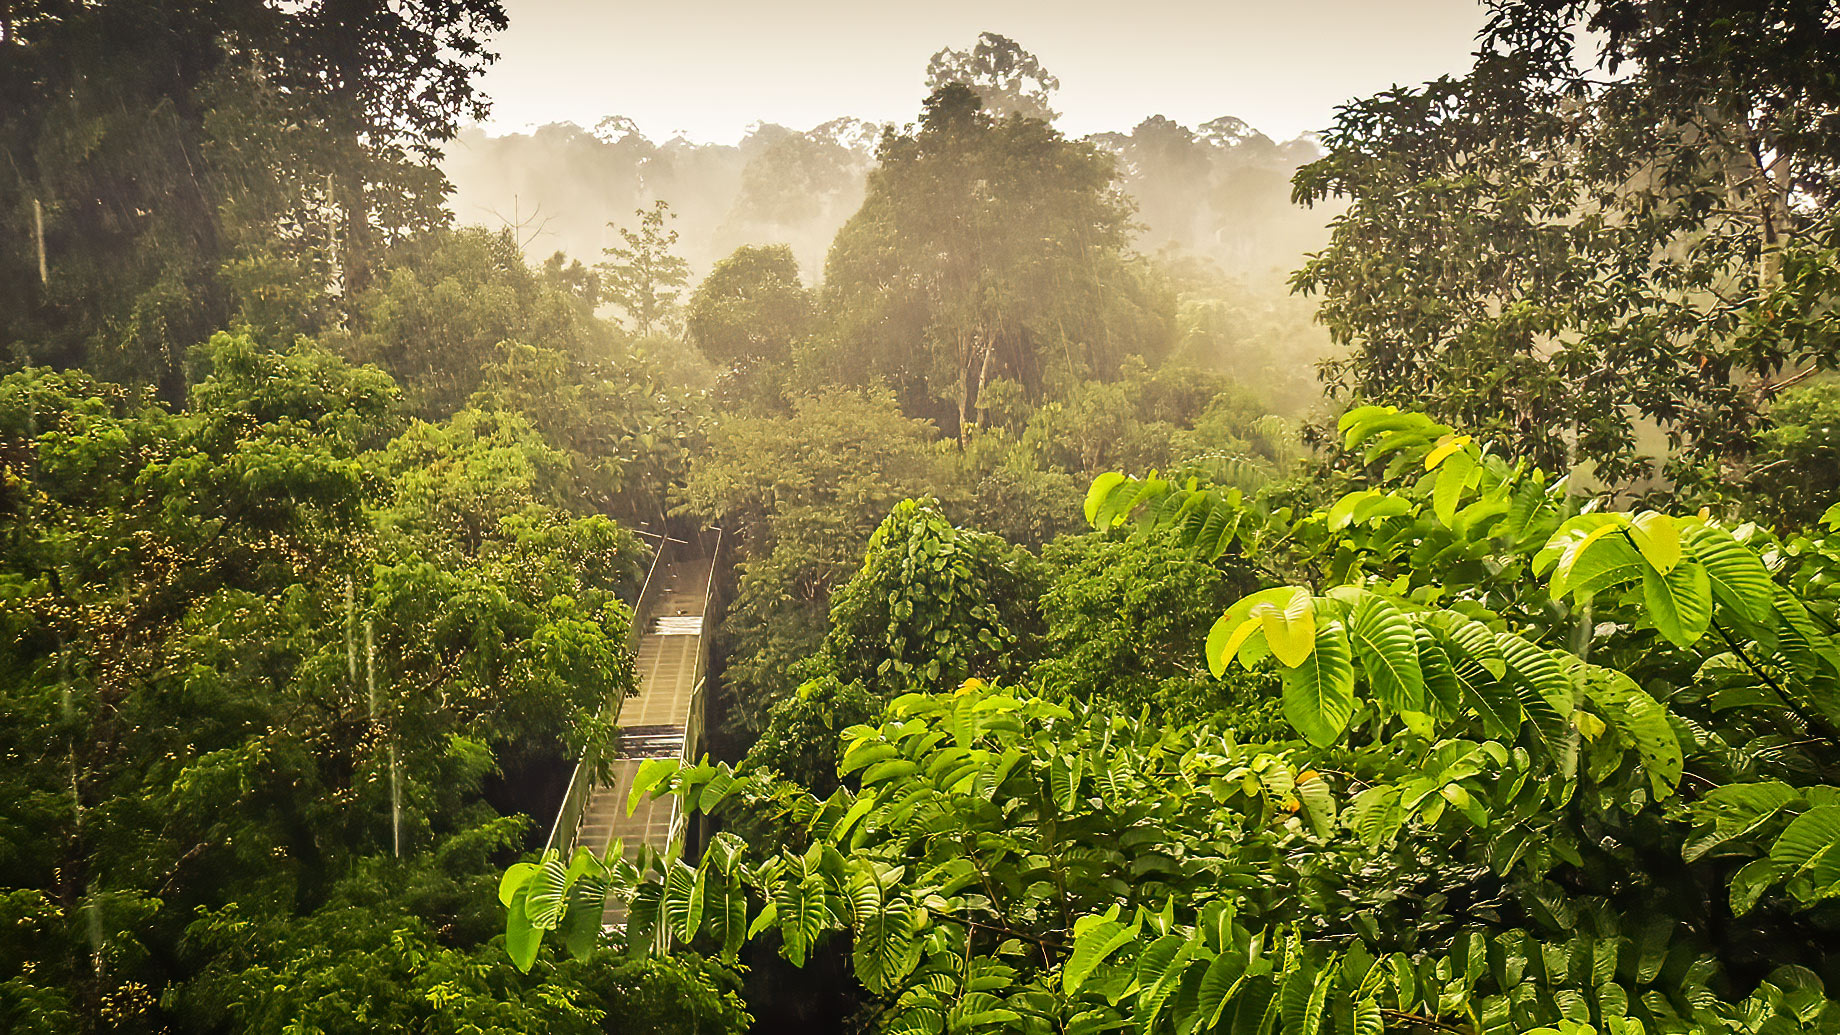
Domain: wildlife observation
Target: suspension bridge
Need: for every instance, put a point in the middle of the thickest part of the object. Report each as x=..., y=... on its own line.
x=671, y=634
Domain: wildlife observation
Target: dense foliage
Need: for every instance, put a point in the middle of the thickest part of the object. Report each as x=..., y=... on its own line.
x=1620, y=221
x=1557, y=767
x=1075, y=670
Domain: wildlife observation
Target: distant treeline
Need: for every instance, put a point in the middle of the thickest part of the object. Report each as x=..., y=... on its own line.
x=1220, y=191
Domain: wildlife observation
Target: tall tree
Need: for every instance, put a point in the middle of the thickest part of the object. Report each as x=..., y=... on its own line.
x=1008, y=79
x=1623, y=213
x=197, y=162
x=988, y=248
x=643, y=276
x=392, y=83
x=750, y=308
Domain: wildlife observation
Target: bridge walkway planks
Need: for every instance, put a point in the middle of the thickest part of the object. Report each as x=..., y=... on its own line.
x=652, y=723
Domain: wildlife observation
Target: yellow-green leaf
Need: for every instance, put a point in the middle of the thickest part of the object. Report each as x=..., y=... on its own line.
x=1658, y=538
x=1453, y=477
x=1446, y=446
x=1290, y=631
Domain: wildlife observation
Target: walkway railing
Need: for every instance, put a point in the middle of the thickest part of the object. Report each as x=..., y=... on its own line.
x=582, y=780
x=597, y=771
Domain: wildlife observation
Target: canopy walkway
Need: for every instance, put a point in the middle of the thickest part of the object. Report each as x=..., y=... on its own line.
x=663, y=720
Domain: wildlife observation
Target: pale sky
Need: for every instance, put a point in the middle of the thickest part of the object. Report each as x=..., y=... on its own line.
x=710, y=68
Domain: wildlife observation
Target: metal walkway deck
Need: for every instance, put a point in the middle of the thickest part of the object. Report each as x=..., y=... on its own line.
x=653, y=723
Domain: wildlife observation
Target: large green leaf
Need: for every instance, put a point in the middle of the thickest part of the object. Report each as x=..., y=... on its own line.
x=1384, y=641
x=1642, y=721
x=801, y=912
x=1375, y=815
x=1290, y=628
x=1454, y=476
x=1319, y=694
x=522, y=938
x=1547, y=695
x=1102, y=487
x=1443, y=691
x=1611, y=562
x=1446, y=447
x=1578, y=546
x=581, y=925
x=1095, y=938
x=1738, y=578
x=1809, y=849
x=682, y=903
x=1733, y=812
x=886, y=948
x=548, y=891
x=651, y=773
x=1218, y=983
x=1751, y=881
x=1658, y=538
x=1242, y=627
x=1680, y=602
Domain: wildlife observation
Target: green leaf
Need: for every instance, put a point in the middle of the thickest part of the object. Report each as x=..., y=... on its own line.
x=1064, y=774
x=1218, y=983
x=1102, y=487
x=515, y=877
x=1226, y=638
x=581, y=924
x=522, y=938
x=1290, y=628
x=1735, y=811
x=1810, y=849
x=1294, y=997
x=1738, y=578
x=1318, y=802
x=1680, y=602
x=800, y=912
x=1446, y=447
x=886, y=948
x=682, y=904
x=1367, y=1019
x=642, y=916
x=1342, y=513
x=725, y=907
x=1453, y=477
x=1641, y=720
x=1751, y=881
x=1611, y=562
x=1384, y=641
x=548, y=892
x=1319, y=694
x=1375, y=815
x=1658, y=538
x=1319, y=993
x=1249, y=608
x=1095, y=939
x=1548, y=695
x=651, y=773
x=1578, y=548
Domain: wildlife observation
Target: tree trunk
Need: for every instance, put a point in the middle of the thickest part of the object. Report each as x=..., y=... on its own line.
x=990, y=348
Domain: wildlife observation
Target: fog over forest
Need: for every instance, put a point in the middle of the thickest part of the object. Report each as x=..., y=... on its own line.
x=1219, y=192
